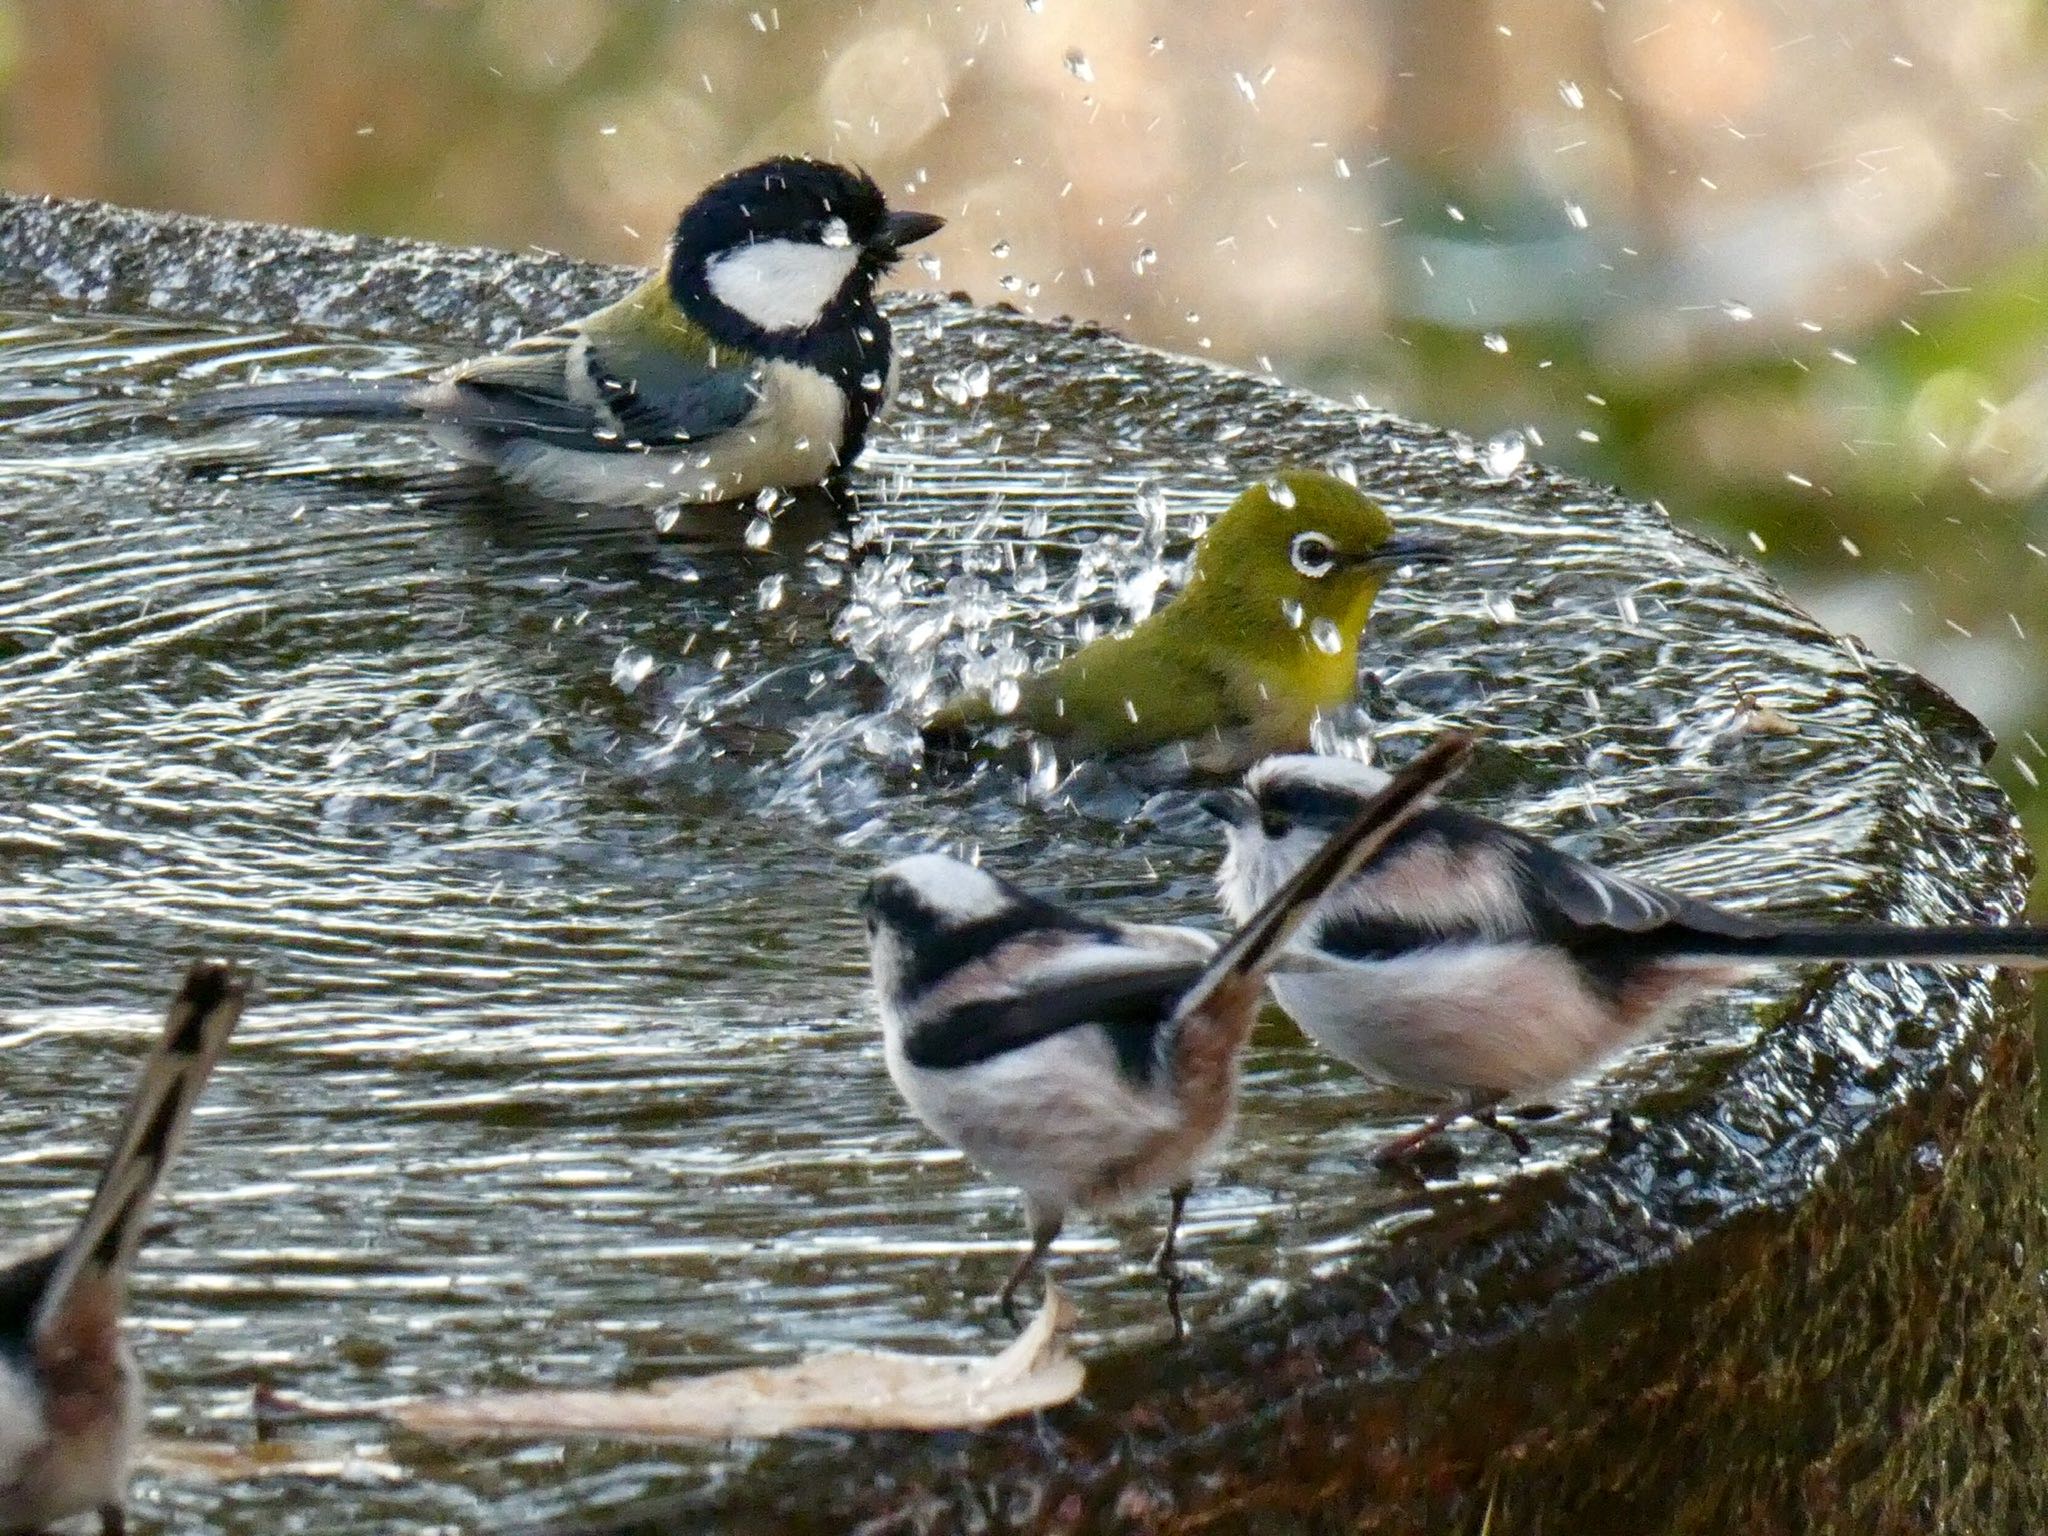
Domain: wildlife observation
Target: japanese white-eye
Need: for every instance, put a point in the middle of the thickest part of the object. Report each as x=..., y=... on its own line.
x=1263, y=638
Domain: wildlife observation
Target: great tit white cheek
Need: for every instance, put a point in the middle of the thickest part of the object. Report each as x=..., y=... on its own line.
x=1312, y=554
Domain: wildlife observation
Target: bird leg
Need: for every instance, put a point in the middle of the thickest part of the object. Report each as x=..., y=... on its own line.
x=1045, y=1226
x=1482, y=1108
x=1486, y=1113
x=1402, y=1150
x=1165, y=1263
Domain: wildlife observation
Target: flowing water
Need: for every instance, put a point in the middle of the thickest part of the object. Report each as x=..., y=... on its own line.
x=543, y=835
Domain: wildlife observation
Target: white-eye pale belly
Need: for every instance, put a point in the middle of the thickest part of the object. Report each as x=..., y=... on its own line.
x=790, y=438
x=1055, y=1118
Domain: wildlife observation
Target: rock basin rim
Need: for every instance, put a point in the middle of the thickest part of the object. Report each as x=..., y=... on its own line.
x=1491, y=1267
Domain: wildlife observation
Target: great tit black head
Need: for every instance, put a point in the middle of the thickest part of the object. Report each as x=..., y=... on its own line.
x=787, y=246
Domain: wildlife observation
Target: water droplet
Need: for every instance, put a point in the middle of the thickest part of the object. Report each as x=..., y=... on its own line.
x=768, y=596
x=1503, y=454
x=872, y=382
x=1146, y=257
x=1281, y=492
x=1326, y=637
x=666, y=519
x=1572, y=95
x=1735, y=311
x=1494, y=341
x=929, y=265
x=1151, y=501
x=631, y=669
x=1034, y=6
x=1005, y=696
x=1575, y=215
x=1045, y=768
x=1009, y=282
x=1851, y=548
x=1135, y=218
x=834, y=232
x=976, y=377
x=1244, y=86
x=1500, y=608
x=1000, y=249
x=760, y=533
x=1292, y=612
x=1079, y=67
x=948, y=387
x=760, y=22
x=1157, y=45
x=1457, y=214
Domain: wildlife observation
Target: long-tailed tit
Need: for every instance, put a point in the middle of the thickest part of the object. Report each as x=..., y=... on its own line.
x=1476, y=963
x=1089, y=1063
x=70, y=1393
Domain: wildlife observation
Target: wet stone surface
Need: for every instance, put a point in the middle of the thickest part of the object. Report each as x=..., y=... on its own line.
x=544, y=831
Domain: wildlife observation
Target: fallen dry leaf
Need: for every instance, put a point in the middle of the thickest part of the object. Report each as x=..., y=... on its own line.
x=849, y=1389
x=212, y=1461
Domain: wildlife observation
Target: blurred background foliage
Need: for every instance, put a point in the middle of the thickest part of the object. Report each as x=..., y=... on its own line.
x=1777, y=263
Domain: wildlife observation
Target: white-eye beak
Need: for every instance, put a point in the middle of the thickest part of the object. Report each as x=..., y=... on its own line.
x=1408, y=551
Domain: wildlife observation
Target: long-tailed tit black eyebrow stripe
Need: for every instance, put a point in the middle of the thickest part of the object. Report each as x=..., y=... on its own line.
x=1312, y=805
x=934, y=949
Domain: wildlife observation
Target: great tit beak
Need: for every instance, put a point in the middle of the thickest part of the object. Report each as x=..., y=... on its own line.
x=1409, y=551
x=905, y=228
x=1232, y=807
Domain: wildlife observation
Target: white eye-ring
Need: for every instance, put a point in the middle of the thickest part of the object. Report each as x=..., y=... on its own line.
x=1312, y=554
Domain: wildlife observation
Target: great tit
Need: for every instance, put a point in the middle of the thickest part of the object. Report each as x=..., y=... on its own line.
x=1089, y=1063
x=1475, y=963
x=70, y=1392
x=1263, y=638
x=757, y=357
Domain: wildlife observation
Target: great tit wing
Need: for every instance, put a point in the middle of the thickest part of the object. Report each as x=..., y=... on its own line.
x=632, y=376
x=1129, y=995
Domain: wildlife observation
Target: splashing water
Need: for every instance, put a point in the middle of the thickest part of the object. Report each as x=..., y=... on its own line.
x=545, y=834
x=1503, y=453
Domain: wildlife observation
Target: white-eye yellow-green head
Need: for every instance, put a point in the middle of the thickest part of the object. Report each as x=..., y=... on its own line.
x=1262, y=638
x=1302, y=547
